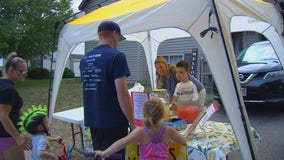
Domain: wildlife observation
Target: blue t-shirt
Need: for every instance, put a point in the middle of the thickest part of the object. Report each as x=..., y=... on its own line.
x=39, y=143
x=99, y=69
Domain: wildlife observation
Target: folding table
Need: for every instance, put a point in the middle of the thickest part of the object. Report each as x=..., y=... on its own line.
x=73, y=116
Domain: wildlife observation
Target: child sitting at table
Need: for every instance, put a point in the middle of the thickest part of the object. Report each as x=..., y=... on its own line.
x=185, y=99
x=153, y=138
x=35, y=122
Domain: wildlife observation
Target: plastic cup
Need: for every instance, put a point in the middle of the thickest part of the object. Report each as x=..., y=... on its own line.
x=167, y=115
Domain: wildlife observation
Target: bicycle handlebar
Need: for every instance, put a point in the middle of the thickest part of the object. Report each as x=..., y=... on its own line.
x=112, y=156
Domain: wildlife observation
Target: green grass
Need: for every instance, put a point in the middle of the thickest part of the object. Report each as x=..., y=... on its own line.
x=36, y=92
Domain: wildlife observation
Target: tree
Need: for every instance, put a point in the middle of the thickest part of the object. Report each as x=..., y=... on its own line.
x=27, y=26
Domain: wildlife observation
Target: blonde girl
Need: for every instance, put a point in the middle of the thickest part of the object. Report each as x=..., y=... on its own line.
x=153, y=138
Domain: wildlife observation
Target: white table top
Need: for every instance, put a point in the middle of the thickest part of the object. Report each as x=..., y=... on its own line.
x=75, y=116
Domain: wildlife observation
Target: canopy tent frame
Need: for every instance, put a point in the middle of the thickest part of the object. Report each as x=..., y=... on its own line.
x=192, y=16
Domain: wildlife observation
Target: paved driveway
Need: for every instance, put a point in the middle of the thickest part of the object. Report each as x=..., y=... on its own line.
x=269, y=123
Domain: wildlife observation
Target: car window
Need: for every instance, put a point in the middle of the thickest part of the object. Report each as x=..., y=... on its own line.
x=258, y=52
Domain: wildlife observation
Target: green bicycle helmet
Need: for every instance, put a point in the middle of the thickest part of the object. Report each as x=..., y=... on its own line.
x=32, y=118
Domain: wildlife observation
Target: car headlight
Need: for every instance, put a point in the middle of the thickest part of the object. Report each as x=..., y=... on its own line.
x=271, y=75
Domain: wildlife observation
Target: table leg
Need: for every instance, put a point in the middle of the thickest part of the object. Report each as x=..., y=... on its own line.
x=74, y=141
x=73, y=138
x=82, y=140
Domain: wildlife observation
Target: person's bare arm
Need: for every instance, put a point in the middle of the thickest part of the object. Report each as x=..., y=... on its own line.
x=173, y=105
x=135, y=135
x=10, y=128
x=125, y=100
x=177, y=137
x=51, y=139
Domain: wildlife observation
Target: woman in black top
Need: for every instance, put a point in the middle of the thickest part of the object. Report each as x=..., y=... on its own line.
x=12, y=143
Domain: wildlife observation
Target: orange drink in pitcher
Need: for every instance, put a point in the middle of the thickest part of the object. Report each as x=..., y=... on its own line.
x=188, y=113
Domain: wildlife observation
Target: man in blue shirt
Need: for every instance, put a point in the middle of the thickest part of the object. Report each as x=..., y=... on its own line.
x=107, y=104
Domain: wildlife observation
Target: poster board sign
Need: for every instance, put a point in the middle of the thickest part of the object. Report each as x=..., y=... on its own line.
x=209, y=112
x=175, y=152
x=138, y=99
x=203, y=116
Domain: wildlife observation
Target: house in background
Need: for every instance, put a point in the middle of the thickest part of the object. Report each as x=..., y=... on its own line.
x=172, y=49
x=75, y=58
x=72, y=63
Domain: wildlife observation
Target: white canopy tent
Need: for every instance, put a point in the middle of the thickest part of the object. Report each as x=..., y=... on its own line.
x=150, y=22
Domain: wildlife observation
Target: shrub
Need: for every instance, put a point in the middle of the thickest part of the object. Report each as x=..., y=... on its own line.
x=37, y=73
x=68, y=73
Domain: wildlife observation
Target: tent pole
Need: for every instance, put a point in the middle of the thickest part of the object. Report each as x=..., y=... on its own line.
x=251, y=147
x=151, y=58
x=51, y=65
x=55, y=27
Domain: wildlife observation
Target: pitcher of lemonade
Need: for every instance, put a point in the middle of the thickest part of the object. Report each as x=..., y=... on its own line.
x=186, y=108
x=164, y=97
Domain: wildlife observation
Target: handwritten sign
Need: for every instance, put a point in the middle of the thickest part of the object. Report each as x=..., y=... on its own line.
x=209, y=112
x=138, y=99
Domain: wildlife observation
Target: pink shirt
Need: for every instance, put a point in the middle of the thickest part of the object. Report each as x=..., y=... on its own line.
x=155, y=149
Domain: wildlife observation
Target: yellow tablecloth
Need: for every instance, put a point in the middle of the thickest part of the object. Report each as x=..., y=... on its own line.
x=213, y=141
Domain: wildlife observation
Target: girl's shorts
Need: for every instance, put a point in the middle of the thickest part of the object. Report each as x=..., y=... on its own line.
x=6, y=143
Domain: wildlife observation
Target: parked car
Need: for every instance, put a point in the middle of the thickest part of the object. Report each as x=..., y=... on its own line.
x=261, y=75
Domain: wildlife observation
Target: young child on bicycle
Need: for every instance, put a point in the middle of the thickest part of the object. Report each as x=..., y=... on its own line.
x=153, y=138
x=35, y=122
